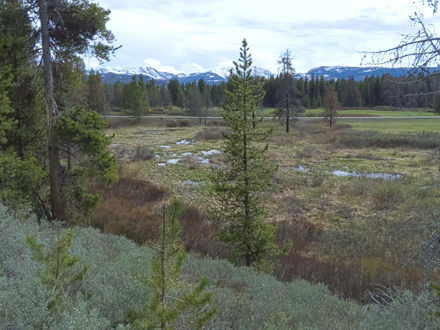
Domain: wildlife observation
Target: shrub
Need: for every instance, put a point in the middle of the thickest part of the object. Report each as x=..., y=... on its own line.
x=143, y=153
x=176, y=112
x=216, y=123
x=125, y=209
x=190, y=162
x=171, y=123
x=209, y=134
x=317, y=179
x=183, y=123
x=244, y=298
x=386, y=194
x=306, y=152
x=371, y=139
x=198, y=234
x=119, y=122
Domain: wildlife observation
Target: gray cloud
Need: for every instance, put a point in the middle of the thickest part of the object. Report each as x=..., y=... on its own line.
x=210, y=32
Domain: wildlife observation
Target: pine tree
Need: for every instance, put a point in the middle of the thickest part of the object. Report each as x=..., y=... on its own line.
x=288, y=93
x=330, y=105
x=171, y=301
x=351, y=93
x=240, y=186
x=56, y=32
x=135, y=99
x=61, y=272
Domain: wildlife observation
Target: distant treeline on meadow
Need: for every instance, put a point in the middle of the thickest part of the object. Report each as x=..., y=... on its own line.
x=400, y=92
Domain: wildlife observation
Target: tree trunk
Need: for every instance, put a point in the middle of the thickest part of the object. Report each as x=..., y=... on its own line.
x=56, y=199
x=288, y=116
x=162, y=266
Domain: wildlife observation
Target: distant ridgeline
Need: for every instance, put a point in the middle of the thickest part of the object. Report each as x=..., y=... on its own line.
x=216, y=76
x=355, y=87
x=211, y=77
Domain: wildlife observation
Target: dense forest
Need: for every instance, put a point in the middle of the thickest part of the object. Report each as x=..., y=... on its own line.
x=400, y=92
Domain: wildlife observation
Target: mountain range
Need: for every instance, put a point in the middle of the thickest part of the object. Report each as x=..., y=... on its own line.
x=215, y=76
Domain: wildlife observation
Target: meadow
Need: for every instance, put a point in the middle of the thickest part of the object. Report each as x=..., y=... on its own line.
x=351, y=198
x=360, y=205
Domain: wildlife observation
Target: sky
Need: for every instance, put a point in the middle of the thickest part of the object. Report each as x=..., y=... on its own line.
x=196, y=35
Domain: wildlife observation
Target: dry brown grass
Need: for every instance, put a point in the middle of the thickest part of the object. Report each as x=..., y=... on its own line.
x=209, y=134
x=129, y=207
x=344, y=229
x=199, y=234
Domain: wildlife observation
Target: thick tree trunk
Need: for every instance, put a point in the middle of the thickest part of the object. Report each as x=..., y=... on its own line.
x=58, y=211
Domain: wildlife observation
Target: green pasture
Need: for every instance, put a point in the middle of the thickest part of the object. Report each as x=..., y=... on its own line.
x=395, y=125
x=380, y=113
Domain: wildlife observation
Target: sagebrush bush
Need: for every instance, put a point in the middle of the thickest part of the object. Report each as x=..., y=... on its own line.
x=114, y=285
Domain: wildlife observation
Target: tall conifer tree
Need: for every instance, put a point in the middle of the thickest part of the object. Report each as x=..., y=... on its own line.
x=240, y=186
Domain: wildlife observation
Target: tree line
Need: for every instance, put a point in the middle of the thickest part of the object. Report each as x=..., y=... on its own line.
x=411, y=91
x=195, y=98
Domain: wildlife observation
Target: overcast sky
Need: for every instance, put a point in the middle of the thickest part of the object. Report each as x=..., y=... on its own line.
x=188, y=36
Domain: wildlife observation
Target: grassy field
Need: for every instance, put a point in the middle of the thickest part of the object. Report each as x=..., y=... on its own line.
x=269, y=112
x=379, y=113
x=343, y=195
x=395, y=125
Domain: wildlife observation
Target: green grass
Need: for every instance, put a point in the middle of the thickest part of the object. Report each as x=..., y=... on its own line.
x=381, y=113
x=396, y=126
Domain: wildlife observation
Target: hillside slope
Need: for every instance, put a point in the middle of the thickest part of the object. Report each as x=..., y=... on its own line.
x=244, y=299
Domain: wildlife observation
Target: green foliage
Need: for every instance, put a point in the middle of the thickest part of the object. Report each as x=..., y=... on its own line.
x=24, y=125
x=6, y=123
x=81, y=130
x=21, y=173
x=331, y=104
x=172, y=299
x=239, y=188
x=20, y=179
x=135, y=99
x=59, y=271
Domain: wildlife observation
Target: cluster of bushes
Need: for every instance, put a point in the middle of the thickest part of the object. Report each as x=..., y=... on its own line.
x=368, y=139
x=113, y=288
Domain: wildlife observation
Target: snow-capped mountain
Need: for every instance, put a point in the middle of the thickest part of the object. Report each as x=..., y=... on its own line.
x=359, y=73
x=217, y=75
x=211, y=76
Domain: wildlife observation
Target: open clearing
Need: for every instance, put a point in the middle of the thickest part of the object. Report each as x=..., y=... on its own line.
x=347, y=194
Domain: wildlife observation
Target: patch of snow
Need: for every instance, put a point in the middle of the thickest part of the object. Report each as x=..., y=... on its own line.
x=186, y=154
x=166, y=147
x=201, y=160
x=161, y=164
x=173, y=161
x=194, y=183
x=345, y=173
x=384, y=176
x=303, y=169
x=185, y=142
x=211, y=152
